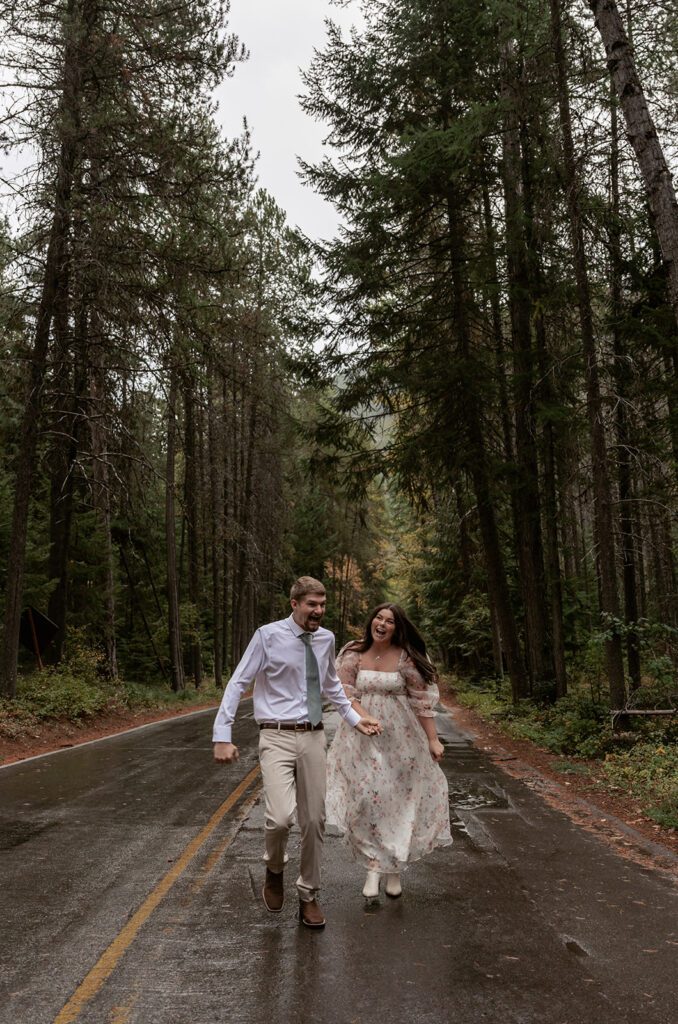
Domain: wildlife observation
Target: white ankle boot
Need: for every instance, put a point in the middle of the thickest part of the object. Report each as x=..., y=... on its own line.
x=371, y=887
x=393, y=886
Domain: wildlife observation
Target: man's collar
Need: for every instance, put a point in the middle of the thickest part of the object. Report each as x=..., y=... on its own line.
x=295, y=627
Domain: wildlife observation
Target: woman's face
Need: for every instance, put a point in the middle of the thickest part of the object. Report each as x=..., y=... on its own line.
x=383, y=626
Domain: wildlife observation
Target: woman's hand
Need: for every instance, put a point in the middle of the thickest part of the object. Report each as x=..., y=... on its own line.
x=369, y=726
x=436, y=748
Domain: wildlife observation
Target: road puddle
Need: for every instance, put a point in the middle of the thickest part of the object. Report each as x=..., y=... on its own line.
x=474, y=794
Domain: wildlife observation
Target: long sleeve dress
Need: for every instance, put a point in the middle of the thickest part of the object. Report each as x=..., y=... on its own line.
x=386, y=793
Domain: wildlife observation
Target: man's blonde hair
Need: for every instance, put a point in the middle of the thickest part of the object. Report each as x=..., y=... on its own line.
x=305, y=585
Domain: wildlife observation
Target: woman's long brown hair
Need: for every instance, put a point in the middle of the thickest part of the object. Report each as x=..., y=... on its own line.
x=405, y=635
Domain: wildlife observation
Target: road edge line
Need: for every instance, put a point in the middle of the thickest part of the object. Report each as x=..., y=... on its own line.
x=111, y=736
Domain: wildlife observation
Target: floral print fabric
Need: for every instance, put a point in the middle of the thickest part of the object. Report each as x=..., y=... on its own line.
x=386, y=793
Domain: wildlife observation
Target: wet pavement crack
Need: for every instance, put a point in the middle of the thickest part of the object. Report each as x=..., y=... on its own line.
x=255, y=885
x=15, y=833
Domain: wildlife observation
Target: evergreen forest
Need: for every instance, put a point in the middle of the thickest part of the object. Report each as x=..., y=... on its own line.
x=466, y=401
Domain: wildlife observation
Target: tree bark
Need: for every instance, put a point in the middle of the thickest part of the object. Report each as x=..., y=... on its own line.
x=642, y=135
x=102, y=490
x=547, y=398
x=603, y=520
x=191, y=500
x=69, y=389
x=622, y=375
x=497, y=328
x=476, y=467
x=174, y=620
x=527, y=497
x=217, y=498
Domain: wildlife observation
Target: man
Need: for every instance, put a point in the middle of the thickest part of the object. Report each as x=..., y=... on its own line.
x=292, y=663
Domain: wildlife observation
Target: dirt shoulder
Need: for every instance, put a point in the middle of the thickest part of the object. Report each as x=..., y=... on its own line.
x=618, y=820
x=61, y=734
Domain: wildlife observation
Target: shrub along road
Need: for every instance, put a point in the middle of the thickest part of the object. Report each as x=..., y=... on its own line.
x=132, y=872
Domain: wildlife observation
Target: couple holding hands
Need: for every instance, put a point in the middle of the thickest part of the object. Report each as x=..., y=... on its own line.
x=380, y=783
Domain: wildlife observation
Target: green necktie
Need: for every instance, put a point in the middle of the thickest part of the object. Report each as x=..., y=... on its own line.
x=314, y=703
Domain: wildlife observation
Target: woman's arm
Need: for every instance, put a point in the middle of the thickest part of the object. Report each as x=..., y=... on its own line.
x=434, y=745
x=423, y=697
x=356, y=705
x=348, y=664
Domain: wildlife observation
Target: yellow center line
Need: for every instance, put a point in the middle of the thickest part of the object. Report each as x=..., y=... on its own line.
x=110, y=958
x=215, y=855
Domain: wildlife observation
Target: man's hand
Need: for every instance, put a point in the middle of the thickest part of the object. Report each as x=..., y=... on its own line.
x=225, y=753
x=369, y=726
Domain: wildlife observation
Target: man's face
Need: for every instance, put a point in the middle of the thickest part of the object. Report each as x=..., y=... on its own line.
x=308, y=611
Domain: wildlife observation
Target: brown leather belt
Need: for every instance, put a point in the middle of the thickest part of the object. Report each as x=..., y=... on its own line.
x=296, y=726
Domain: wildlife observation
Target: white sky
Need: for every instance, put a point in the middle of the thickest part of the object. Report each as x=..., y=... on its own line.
x=281, y=36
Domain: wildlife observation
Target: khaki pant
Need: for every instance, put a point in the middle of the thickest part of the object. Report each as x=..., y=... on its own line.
x=293, y=771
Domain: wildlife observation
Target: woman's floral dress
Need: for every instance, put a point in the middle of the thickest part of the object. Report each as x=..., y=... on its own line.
x=386, y=793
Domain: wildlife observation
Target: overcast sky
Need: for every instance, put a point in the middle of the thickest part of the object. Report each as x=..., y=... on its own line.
x=281, y=36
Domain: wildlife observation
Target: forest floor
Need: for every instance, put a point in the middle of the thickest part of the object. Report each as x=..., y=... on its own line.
x=581, y=795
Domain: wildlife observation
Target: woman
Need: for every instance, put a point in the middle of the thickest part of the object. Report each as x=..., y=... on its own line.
x=389, y=795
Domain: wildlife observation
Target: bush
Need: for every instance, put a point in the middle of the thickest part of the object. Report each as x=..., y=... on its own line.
x=576, y=725
x=77, y=690
x=650, y=773
x=60, y=693
x=579, y=725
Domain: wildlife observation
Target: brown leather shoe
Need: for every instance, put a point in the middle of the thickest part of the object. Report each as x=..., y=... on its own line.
x=310, y=914
x=273, y=891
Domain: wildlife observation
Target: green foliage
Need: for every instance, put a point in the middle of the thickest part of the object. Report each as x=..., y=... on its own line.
x=579, y=726
x=571, y=768
x=61, y=693
x=649, y=772
x=575, y=725
x=76, y=691
x=72, y=690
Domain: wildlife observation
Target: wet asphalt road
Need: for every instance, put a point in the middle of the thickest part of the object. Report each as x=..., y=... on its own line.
x=526, y=919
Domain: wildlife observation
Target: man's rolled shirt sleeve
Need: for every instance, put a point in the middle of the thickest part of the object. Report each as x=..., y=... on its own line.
x=249, y=665
x=334, y=691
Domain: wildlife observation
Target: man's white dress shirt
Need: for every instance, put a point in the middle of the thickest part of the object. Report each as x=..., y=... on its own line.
x=276, y=660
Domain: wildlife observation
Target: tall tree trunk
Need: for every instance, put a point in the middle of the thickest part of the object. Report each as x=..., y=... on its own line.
x=217, y=497
x=496, y=642
x=102, y=489
x=229, y=514
x=642, y=135
x=69, y=388
x=551, y=530
x=527, y=496
x=174, y=622
x=622, y=379
x=601, y=481
x=547, y=398
x=477, y=466
x=497, y=328
x=191, y=500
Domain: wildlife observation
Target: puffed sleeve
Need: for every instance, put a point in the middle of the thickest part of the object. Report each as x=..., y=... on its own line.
x=422, y=696
x=348, y=663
